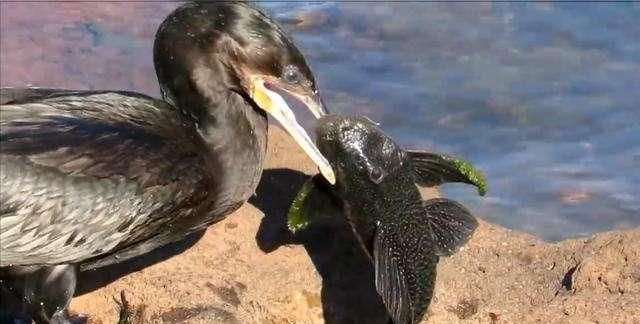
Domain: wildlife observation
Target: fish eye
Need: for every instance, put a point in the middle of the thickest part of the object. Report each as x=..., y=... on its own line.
x=291, y=74
x=376, y=175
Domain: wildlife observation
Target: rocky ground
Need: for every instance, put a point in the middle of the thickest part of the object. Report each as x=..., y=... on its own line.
x=247, y=269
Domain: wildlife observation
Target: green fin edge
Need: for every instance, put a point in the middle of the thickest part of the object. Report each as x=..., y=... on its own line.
x=296, y=219
x=474, y=175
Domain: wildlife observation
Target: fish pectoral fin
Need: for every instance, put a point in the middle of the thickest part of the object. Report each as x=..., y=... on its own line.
x=313, y=204
x=433, y=169
x=405, y=256
x=391, y=282
x=450, y=225
x=405, y=272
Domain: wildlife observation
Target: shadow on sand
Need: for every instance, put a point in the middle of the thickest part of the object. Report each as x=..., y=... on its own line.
x=90, y=280
x=348, y=290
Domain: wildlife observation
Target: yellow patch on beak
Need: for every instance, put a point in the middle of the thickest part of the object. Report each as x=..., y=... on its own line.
x=260, y=97
x=274, y=105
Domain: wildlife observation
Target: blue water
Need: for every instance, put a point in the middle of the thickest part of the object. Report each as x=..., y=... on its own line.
x=543, y=97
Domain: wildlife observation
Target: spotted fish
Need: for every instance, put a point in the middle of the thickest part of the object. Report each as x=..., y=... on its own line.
x=376, y=190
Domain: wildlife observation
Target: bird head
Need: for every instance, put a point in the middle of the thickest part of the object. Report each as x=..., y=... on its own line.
x=215, y=49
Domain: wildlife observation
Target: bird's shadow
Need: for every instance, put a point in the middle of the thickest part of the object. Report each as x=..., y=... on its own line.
x=93, y=279
x=348, y=286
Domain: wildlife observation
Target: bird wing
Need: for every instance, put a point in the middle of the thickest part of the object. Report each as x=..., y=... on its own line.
x=22, y=95
x=84, y=172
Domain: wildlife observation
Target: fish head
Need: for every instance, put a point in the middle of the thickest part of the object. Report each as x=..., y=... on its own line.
x=361, y=155
x=403, y=234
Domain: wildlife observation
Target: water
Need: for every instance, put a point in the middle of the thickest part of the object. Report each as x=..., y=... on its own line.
x=544, y=97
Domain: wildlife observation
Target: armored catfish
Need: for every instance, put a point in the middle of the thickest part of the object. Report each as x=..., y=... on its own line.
x=376, y=190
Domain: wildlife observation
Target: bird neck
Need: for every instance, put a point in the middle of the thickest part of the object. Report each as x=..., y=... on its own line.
x=232, y=124
x=234, y=135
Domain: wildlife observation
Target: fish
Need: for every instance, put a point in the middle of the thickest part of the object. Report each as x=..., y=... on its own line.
x=377, y=190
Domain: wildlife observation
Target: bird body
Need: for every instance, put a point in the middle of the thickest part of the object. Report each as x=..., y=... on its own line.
x=91, y=178
x=111, y=169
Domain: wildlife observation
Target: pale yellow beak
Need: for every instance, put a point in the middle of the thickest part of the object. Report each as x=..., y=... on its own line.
x=276, y=106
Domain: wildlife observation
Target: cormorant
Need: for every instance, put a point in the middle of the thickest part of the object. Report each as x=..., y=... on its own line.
x=102, y=176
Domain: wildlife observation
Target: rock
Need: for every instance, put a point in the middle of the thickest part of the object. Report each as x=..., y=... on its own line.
x=248, y=269
x=519, y=279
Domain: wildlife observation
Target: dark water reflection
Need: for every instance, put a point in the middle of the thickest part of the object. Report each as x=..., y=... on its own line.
x=543, y=97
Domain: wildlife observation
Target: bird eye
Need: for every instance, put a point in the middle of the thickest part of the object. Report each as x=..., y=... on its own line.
x=291, y=74
x=376, y=175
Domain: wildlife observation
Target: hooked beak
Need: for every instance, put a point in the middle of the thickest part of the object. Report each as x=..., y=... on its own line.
x=314, y=104
x=276, y=106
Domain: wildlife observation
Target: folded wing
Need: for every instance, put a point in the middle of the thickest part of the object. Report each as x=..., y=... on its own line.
x=84, y=172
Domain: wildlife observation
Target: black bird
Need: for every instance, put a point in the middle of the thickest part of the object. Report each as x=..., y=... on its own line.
x=97, y=177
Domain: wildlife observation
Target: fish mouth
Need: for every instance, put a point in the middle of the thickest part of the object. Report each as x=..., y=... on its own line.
x=329, y=128
x=343, y=131
x=329, y=132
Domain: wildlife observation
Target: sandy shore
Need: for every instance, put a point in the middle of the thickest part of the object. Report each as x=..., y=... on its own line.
x=247, y=269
